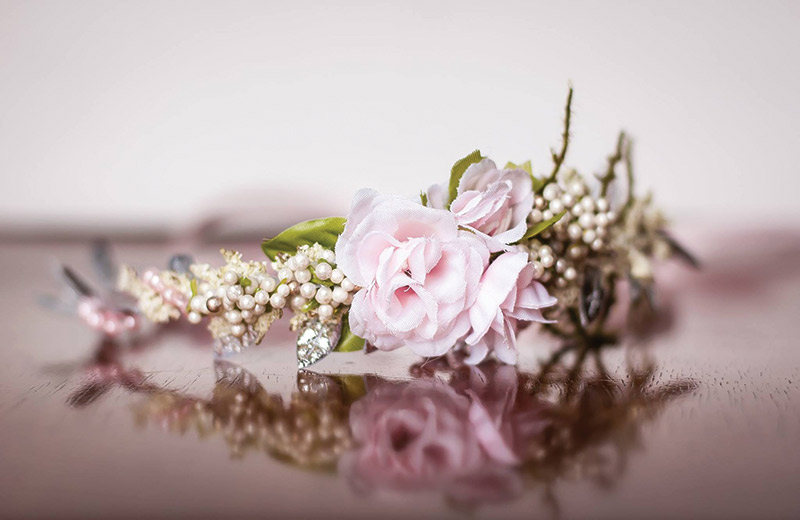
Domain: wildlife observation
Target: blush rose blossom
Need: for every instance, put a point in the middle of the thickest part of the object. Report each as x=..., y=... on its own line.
x=507, y=295
x=418, y=273
x=492, y=202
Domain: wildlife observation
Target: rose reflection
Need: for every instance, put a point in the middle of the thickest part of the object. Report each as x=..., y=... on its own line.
x=475, y=435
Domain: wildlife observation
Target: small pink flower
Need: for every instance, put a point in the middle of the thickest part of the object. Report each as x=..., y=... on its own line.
x=418, y=273
x=507, y=294
x=494, y=203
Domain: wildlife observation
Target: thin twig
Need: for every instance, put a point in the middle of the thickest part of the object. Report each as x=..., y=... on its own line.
x=558, y=158
x=629, y=173
x=613, y=160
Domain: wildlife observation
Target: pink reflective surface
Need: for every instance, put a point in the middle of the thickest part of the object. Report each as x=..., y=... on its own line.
x=79, y=442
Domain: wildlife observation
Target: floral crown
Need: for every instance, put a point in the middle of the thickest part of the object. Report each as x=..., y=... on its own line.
x=462, y=270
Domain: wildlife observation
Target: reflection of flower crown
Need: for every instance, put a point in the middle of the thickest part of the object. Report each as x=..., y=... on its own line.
x=474, y=434
x=473, y=262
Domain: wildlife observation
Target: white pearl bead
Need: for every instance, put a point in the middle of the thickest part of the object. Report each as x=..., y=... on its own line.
x=250, y=289
x=539, y=202
x=589, y=235
x=602, y=232
x=325, y=311
x=561, y=265
x=597, y=244
x=203, y=287
x=233, y=316
x=194, y=317
x=283, y=290
x=234, y=293
x=324, y=295
x=551, y=191
x=545, y=251
x=323, y=271
x=298, y=301
x=286, y=275
x=337, y=275
x=259, y=309
x=577, y=210
x=547, y=261
x=329, y=256
x=308, y=290
x=293, y=286
x=301, y=261
x=587, y=203
x=576, y=251
x=570, y=273
x=213, y=304
x=602, y=204
x=198, y=303
x=339, y=295
x=574, y=231
x=247, y=302
x=611, y=216
x=291, y=263
x=576, y=188
x=303, y=275
x=547, y=214
x=535, y=216
x=601, y=220
x=238, y=330
x=269, y=283
x=568, y=200
x=230, y=277
x=247, y=315
x=538, y=269
x=586, y=220
x=277, y=301
x=556, y=206
x=261, y=297
x=347, y=285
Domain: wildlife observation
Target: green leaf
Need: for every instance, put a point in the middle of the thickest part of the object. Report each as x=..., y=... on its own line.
x=245, y=282
x=541, y=226
x=348, y=342
x=324, y=231
x=423, y=197
x=458, y=170
x=537, y=183
x=193, y=287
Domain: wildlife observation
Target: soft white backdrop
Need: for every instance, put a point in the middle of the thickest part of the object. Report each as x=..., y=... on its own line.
x=148, y=114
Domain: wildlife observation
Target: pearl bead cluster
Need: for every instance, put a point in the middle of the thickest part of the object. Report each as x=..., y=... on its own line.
x=315, y=285
x=582, y=231
x=240, y=300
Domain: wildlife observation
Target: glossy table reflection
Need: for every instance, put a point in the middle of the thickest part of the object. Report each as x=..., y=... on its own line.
x=702, y=421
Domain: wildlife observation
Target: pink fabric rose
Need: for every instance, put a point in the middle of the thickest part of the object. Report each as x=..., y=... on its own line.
x=493, y=203
x=417, y=271
x=508, y=294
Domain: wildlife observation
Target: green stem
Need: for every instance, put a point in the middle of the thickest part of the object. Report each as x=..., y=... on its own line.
x=613, y=160
x=558, y=158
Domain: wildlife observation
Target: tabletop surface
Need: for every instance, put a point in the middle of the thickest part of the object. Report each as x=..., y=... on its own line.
x=702, y=420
